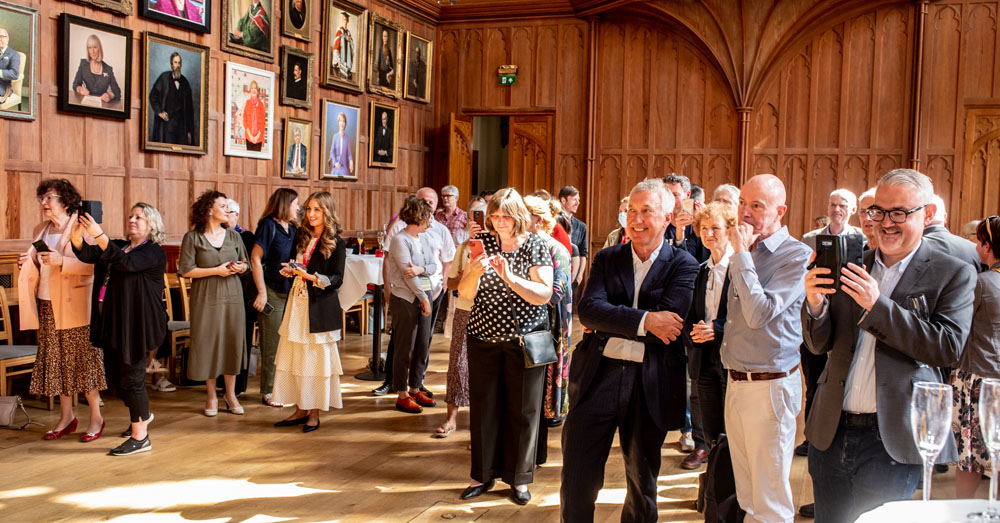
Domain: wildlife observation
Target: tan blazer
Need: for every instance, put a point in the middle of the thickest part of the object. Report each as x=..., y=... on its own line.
x=69, y=285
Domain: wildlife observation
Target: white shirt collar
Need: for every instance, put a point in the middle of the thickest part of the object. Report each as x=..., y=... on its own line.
x=899, y=266
x=652, y=257
x=724, y=262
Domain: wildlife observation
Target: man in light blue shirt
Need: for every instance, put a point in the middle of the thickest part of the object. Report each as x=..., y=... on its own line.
x=760, y=350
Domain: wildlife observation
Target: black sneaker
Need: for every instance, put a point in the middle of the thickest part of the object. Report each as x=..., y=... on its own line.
x=427, y=392
x=803, y=449
x=131, y=446
x=128, y=432
x=382, y=390
x=808, y=511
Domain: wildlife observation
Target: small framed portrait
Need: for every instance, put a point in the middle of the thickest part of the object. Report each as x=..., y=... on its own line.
x=382, y=134
x=297, y=19
x=418, y=68
x=341, y=125
x=297, y=142
x=195, y=15
x=344, y=25
x=385, y=47
x=246, y=28
x=174, y=95
x=296, y=77
x=95, y=68
x=18, y=61
x=122, y=7
x=249, y=112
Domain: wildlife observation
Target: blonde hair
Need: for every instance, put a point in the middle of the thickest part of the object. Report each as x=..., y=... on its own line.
x=509, y=201
x=157, y=232
x=713, y=211
x=100, y=47
x=543, y=210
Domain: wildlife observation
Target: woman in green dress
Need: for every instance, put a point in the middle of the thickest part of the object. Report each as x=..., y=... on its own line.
x=213, y=256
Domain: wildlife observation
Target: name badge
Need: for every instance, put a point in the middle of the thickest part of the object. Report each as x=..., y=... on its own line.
x=425, y=283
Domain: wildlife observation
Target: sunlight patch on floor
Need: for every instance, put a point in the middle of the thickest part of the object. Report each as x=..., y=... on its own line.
x=25, y=492
x=183, y=493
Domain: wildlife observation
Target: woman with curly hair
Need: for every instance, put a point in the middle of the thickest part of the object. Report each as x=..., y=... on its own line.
x=307, y=364
x=213, y=256
x=128, y=319
x=54, y=298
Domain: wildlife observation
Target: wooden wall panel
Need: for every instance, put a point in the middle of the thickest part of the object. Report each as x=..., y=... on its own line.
x=104, y=159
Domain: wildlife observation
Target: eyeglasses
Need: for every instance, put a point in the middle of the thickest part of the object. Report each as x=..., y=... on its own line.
x=48, y=198
x=501, y=217
x=448, y=195
x=878, y=214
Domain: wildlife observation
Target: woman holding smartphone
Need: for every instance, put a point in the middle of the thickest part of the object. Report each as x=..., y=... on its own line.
x=307, y=364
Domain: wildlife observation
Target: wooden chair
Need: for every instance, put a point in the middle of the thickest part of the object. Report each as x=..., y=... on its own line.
x=14, y=359
x=179, y=331
x=361, y=307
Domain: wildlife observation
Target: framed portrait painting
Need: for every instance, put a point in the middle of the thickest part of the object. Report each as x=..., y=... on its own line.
x=344, y=25
x=18, y=61
x=247, y=29
x=297, y=143
x=249, y=112
x=195, y=15
x=296, y=77
x=385, y=45
x=418, y=68
x=382, y=133
x=95, y=68
x=341, y=125
x=174, y=95
x=296, y=19
x=122, y=7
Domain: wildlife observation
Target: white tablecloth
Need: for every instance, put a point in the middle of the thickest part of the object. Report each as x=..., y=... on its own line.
x=359, y=271
x=934, y=511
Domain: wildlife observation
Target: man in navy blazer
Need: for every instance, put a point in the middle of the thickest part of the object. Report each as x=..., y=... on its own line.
x=10, y=63
x=628, y=373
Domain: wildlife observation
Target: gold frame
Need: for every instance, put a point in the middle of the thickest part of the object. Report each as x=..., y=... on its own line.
x=371, y=135
x=306, y=140
x=287, y=29
x=243, y=50
x=147, y=145
x=397, y=90
x=122, y=7
x=308, y=77
x=429, y=76
x=330, y=9
x=327, y=130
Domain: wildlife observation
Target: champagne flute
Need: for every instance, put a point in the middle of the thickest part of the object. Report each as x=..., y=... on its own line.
x=930, y=420
x=381, y=239
x=361, y=242
x=989, y=424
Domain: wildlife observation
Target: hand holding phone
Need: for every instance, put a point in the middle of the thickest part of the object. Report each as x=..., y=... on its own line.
x=40, y=246
x=480, y=218
x=475, y=248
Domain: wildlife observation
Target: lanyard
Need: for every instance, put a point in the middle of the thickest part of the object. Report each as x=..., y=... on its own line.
x=308, y=256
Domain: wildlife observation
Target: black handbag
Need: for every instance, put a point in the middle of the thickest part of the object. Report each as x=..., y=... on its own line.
x=539, y=349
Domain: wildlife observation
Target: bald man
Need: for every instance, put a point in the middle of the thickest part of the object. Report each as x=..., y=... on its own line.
x=10, y=63
x=760, y=350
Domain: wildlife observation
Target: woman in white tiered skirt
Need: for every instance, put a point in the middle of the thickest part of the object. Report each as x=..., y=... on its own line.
x=307, y=364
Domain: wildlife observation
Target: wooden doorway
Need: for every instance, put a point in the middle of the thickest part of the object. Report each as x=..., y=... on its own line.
x=980, y=196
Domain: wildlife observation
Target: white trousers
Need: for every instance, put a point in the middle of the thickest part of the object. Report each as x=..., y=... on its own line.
x=760, y=426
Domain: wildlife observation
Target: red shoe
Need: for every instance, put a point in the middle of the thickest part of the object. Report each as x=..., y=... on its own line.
x=408, y=405
x=88, y=437
x=56, y=434
x=424, y=400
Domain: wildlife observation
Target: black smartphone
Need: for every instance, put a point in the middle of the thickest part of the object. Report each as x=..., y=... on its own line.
x=480, y=218
x=94, y=209
x=40, y=246
x=268, y=309
x=835, y=251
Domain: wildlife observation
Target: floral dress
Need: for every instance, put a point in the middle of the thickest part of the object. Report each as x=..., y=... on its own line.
x=556, y=400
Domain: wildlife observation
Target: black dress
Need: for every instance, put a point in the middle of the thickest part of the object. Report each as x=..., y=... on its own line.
x=133, y=318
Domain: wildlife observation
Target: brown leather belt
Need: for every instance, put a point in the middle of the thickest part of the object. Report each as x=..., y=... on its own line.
x=736, y=375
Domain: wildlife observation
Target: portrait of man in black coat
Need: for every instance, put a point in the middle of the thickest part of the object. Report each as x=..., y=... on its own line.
x=384, y=148
x=171, y=103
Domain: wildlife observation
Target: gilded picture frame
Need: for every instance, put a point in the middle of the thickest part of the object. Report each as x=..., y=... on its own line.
x=385, y=60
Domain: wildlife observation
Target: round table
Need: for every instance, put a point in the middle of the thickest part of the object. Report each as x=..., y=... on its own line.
x=933, y=511
x=360, y=270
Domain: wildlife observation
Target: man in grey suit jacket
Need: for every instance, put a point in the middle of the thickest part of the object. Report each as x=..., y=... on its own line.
x=903, y=322
x=941, y=238
x=10, y=65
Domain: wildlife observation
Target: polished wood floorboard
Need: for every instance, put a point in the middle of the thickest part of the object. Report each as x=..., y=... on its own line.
x=367, y=462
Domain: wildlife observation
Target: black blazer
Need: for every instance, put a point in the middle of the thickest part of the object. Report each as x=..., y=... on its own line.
x=134, y=319
x=324, y=304
x=606, y=308
x=701, y=354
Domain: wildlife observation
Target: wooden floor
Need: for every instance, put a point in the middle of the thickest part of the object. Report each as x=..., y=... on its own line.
x=367, y=462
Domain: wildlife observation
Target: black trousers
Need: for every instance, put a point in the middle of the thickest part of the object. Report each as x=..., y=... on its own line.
x=812, y=367
x=712, y=401
x=504, y=403
x=130, y=382
x=614, y=402
x=390, y=350
x=410, y=330
x=436, y=306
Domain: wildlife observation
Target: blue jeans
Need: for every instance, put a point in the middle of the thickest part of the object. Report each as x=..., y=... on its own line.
x=856, y=474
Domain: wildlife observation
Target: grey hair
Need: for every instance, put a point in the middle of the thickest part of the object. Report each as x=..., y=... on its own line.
x=847, y=195
x=157, y=232
x=697, y=193
x=450, y=188
x=679, y=178
x=940, y=213
x=732, y=189
x=917, y=180
x=233, y=206
x=656, y=186
x=870, y=193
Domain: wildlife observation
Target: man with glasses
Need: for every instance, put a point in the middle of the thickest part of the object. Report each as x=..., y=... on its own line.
x=938, y=235
x=451, y=216
x=901, y=318
x=10, y=65
x=866, y=200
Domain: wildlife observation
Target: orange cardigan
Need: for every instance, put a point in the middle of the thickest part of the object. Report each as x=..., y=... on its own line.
x=69, y=285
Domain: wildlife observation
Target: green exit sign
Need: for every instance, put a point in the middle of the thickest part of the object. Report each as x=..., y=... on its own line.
x=508, y=79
